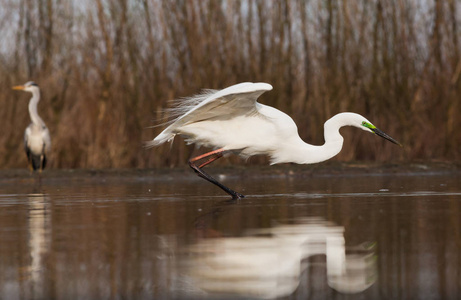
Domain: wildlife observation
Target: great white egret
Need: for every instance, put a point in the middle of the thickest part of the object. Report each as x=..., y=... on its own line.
x=231, y=120
x=37, y=141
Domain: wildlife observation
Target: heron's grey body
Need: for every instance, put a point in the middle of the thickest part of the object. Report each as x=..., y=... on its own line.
x=37, y=141
x=36, y=144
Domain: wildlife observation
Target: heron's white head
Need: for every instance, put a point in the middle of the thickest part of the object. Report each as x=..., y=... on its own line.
x=29, y=86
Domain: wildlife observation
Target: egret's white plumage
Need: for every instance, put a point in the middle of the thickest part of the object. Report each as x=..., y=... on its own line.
x=37, y=141
x=232, y=120
x=212, y=106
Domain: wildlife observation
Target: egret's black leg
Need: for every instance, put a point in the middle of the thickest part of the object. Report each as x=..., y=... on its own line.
x=198, y=169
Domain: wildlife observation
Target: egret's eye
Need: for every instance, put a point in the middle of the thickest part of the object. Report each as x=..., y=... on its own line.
x=368, y=125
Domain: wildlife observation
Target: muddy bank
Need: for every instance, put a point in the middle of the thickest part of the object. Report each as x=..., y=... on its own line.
x=243, y=170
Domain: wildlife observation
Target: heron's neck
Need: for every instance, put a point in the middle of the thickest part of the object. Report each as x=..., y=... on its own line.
x=35, y=118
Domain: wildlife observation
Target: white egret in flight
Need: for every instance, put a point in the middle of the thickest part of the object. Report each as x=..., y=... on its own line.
x=231, y=120
x=37, y=141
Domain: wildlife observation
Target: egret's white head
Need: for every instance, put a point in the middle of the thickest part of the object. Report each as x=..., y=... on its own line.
x=29, y=86
x=356, y=120
x=366, y=125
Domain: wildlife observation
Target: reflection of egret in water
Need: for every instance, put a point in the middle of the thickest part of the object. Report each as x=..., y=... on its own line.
x=39, y=218
x=268, y=263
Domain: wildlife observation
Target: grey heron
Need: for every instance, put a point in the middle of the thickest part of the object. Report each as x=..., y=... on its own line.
x=37, y=141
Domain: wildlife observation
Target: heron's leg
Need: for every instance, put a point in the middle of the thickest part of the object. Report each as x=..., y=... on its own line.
x=29, y=160
x=42, y=159
x=211, y=157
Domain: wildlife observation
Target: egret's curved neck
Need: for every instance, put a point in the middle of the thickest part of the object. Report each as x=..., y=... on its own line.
x=333, y=142
x=300, y=152
x=33, y=108
x=333, y=139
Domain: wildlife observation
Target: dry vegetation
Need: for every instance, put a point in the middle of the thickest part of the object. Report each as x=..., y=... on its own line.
x=107, y=68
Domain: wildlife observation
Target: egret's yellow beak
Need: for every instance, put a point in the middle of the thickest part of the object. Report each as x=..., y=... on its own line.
x=18, y=87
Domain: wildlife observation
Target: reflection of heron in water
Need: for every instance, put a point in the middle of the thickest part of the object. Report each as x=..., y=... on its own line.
x=38, y=225
x=268, y=263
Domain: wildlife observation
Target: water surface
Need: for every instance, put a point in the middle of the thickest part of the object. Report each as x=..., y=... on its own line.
x=171, y=235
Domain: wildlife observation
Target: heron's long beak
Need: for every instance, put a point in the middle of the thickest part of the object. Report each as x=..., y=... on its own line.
x=18, y=87
x=383, y=135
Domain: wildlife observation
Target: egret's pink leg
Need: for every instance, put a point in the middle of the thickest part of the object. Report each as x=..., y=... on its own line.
x=198, y=169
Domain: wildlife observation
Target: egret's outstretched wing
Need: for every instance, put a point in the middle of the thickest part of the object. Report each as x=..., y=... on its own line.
x=236, y=100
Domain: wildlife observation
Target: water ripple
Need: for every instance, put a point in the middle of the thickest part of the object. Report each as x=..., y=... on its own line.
x=359, y=195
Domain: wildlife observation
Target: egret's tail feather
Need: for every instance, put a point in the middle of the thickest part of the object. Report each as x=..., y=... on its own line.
x=160, y=139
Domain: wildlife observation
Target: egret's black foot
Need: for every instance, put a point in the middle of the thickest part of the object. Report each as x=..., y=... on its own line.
x=236, y=196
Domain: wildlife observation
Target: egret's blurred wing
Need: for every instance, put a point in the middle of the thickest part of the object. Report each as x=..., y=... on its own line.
x=236, y=100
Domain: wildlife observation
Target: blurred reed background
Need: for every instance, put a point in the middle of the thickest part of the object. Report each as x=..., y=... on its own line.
x=107, y=68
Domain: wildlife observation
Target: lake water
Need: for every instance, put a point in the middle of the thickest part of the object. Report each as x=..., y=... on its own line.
x=170, y=235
